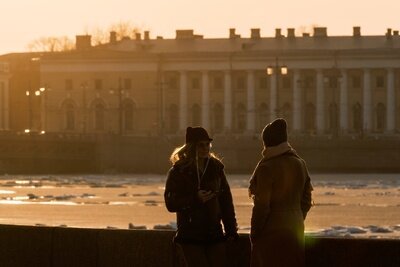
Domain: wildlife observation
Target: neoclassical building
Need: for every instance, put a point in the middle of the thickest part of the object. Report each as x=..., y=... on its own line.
x=322, y=85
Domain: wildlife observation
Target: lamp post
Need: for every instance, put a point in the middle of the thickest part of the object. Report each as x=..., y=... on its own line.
x=276, y=71
x=30, y=93
x=44, y=91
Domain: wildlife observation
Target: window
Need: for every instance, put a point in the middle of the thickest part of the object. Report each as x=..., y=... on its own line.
x=286, y=84
x=127, y=83
x=241, y=117
x=310, y=118
x=128, y=115
x=218, y=82
x=380, y=117
x=173, y=118
x=333, y=117
x=263, y=116
x=263, y=82
x=99, y=117
x=173, y=82
x=356, y=81
x=195, y=83
x=333, y=82
x=68, y=84
x=69, y=117
x=196, y=115
x=308, y=81
x=241, y=82
x=287, y=114
x=218, y=118
x=98, y=84
x=357, y=117
x=380, y=81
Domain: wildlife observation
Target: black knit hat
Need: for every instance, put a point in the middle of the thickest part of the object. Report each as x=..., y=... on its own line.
x=275, y=133
x=196, y=134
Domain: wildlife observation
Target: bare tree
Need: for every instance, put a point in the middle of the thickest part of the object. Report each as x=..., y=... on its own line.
x=51, y=44
x=99, y=36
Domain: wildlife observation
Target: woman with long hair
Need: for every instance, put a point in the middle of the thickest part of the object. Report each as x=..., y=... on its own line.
x=198, y=191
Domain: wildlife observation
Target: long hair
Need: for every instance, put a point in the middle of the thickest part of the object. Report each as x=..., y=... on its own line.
x=186, y=155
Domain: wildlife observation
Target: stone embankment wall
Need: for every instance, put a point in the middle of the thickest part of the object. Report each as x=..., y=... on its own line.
x=55, y=246
x=127, y=154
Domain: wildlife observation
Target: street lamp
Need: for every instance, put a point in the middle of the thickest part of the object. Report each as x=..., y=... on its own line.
x=30, y=93
x=43, y=91
x=277, y=71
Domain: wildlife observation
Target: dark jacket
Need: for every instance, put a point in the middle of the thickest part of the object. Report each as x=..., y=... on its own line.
x=282, y=197
x=200, y=222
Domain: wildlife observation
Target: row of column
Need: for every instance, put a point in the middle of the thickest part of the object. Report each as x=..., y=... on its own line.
x=297, y=101
x=4, y=105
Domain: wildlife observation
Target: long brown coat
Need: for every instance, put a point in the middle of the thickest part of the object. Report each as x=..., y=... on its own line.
x=281, y=190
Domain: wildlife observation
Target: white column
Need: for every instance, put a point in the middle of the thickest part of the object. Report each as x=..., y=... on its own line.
x=320, y=103
x=7, y=106
x=367, y=101
x=273, y=96
x=344, y=125
x=205, y=101
x=297, y=93
x=251, y=106
x=183, y=101
x=2, y=102
x=227, y=101
x=391, y=102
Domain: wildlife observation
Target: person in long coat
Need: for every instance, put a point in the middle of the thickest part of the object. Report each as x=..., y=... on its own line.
x=281, y=191
x=198, y=191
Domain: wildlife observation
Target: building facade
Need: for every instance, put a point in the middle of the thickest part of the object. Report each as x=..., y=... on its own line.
x=322, y=85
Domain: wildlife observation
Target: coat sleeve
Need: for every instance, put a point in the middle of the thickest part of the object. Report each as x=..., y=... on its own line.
x=176, y=197
x=227, y=208
x=306, y=200
x=261, y=198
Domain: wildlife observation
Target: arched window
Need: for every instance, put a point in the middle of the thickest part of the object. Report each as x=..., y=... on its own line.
x=69, y=115
x=99, y=117
x=196, y=115
x=357, y=118
x=128, y=115
x=333, y=117
x=309, y=119
x=240, y=117
x=263, y=118
x=218, y=122
x=173, y=118
x=287, y=114
x=380, y=117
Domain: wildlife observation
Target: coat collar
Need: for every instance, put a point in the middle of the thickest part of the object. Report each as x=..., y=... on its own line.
x=274, y=151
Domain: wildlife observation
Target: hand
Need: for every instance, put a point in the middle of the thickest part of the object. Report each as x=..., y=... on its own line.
x=204, y=195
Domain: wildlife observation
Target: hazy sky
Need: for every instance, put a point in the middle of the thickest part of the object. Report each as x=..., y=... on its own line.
x=25, y=20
